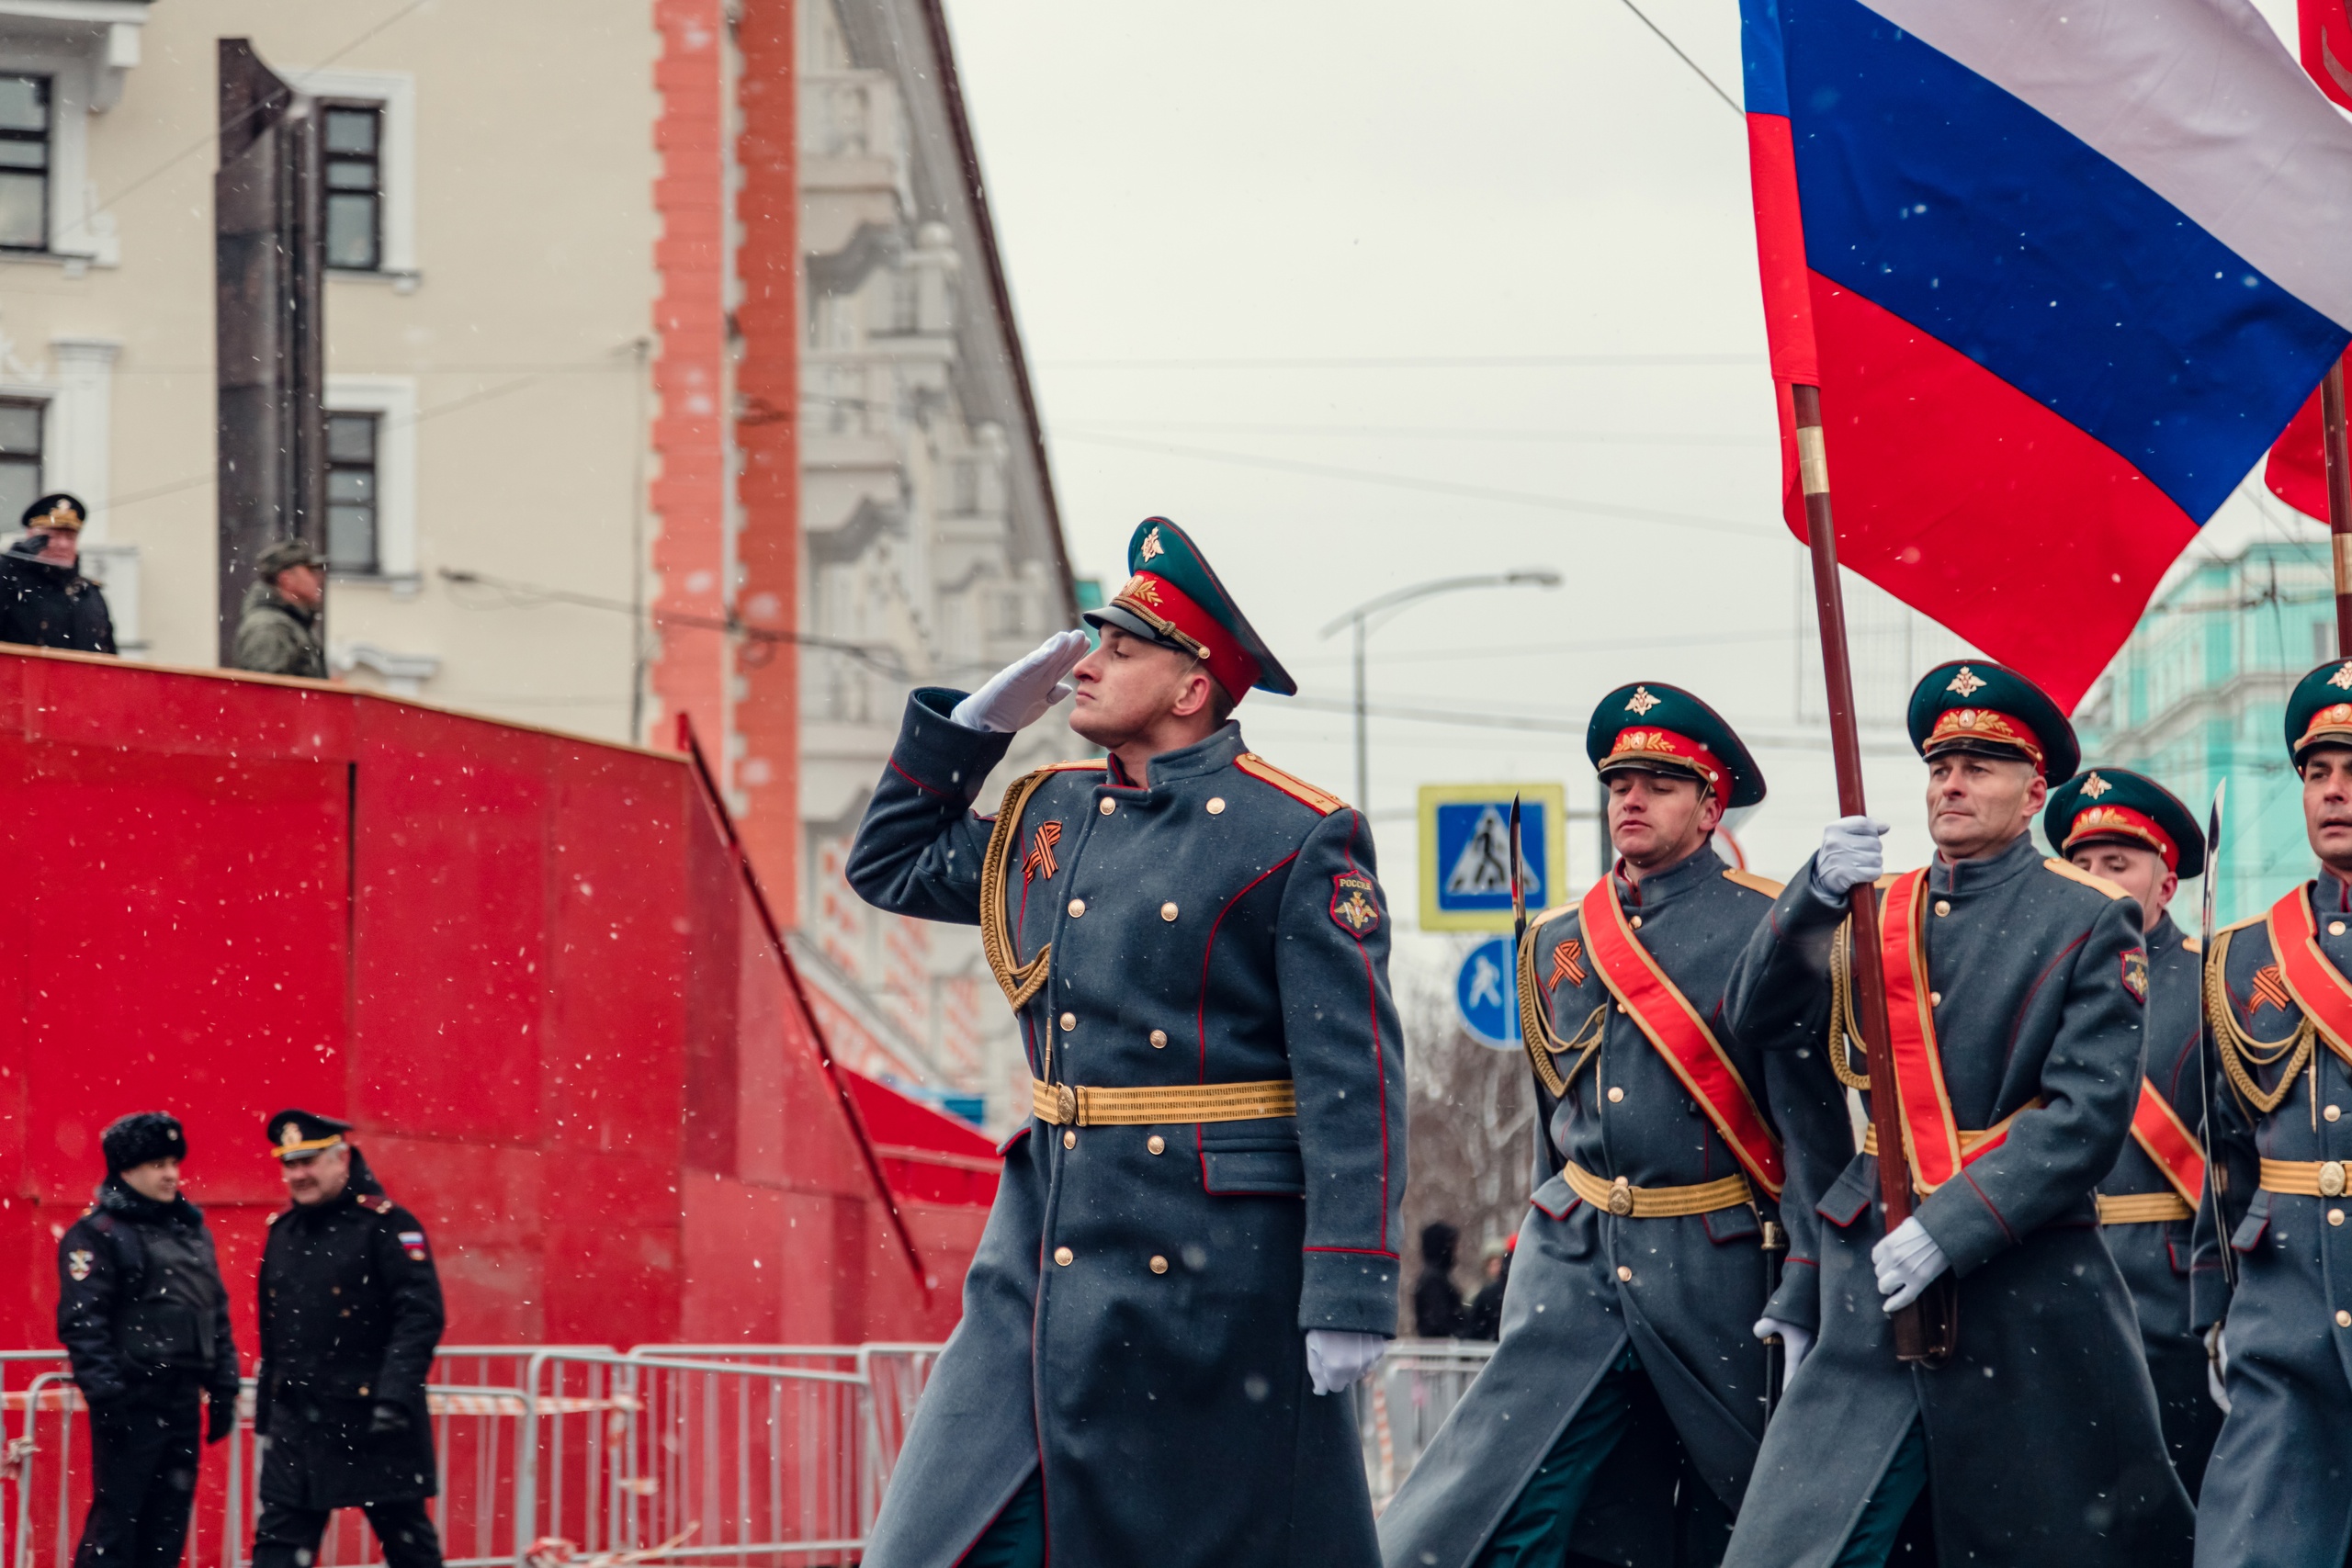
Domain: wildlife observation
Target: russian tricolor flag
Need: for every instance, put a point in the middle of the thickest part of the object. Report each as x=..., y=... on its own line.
x=2063, y=270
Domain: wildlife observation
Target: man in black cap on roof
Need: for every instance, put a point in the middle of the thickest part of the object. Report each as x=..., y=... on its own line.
x=1620, y=1417
x=1195, y=1240
x=144, y=1319
x=2134, y=832
x=350, y=1313
x=2016, y=987
x=45, y=602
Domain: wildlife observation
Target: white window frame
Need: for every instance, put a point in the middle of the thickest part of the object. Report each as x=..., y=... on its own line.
x=396, y=91
x=76, y=234
x=392, y=399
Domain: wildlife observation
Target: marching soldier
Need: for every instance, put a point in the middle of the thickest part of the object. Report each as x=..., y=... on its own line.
x=2016, y=987
x=350, y=1313
x=2278, y=1490
x=1627, y=1348
x=2137, y=834
x=1196, y=1236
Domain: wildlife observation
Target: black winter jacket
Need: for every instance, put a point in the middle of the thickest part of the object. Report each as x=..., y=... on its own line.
x=42, y=605
x=141, y=1308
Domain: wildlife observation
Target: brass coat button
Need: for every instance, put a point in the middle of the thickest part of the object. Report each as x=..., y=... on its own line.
x=2343, y=1319
x=2334, y=1113
x=1159, y=1039
x=1944, y=906
x=1077, y=907
x=2335, y=1216
x=1935, y=999
x=1070, y=1139
x=1063, y=1255
x=1108, y=806
x=1069, y=1021
x=1217, y=805
x=1158, y=1264
x=2335, y=928
x=1637, y=922
x=1616, y=1096
x=1156, y=1144
x=1624, y=1273
x=2331, y=1179
x=1168, y=911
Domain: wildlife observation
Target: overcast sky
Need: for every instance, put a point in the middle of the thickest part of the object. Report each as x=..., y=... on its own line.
x=1306, y=276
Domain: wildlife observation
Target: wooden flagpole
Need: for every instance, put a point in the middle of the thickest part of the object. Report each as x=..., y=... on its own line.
x=2340, y=500
x=1925, y=1331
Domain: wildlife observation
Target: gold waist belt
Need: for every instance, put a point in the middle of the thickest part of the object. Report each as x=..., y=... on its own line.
x=1623, y=1198
x=2304, y=1178
x=1969, y=1137
x=1081, y=1105
x=2142, y=1208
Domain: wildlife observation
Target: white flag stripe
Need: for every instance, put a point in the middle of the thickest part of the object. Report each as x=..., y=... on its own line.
x=2196, y=99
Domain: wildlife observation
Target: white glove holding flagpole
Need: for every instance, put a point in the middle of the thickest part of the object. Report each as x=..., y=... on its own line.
x=1907, y=1263
x=1336, y=1358
x=1018, y=696
x=1850, y=856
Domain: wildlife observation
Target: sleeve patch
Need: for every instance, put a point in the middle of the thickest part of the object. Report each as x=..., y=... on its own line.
x=2135, y=974
x=412, y=1243
x=77, y=1263
x=1355, y=904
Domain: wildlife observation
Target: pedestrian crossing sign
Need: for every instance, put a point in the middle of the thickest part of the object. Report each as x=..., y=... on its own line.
x=1466, y=852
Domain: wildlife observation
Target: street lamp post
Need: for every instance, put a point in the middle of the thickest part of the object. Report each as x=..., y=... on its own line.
x=1363, y=615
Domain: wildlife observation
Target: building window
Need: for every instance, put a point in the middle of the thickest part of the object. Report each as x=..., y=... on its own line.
x=355, y=167
x=24, y=163
x=351, y=492
x=19, y=458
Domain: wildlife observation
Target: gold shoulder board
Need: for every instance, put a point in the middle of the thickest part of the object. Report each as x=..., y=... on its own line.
x=1298, y=789
x=1755, y=883
x=2076, y=873
x=2192, y=944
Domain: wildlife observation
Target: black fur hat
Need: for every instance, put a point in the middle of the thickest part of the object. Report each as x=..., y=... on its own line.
x=141, y=1136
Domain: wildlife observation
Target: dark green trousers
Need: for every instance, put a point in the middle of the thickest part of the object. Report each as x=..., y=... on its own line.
x=1871, y=1541
x=1016, y=1537
x=1536, y=1532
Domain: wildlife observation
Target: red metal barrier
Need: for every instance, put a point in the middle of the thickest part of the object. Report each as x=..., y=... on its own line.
x=529, y=967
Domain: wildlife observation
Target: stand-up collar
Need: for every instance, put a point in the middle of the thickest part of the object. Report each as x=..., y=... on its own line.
x=2164, y=937
x=1656, y=886
x=2331, y=893
x=1975, y=876
x=1207, y=756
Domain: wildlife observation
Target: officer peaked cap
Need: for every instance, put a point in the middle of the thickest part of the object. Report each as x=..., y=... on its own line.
x=1976, y=706
x=299, y=1134
x=2116, y=806
x=2318, y=710
x=1651, y=727
x=1173, y=598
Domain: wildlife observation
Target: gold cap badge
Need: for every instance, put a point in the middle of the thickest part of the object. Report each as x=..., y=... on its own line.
x=1641, y=702
x=2343, y=676
x=1967, y=683
x=2096, y=786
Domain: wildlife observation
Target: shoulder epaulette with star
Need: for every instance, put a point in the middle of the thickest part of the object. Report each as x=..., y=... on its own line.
x=379, y=1203
x=1298, y=789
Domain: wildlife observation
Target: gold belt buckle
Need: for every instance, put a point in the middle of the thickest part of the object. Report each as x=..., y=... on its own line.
x=1065, y=1104
x=2331, y=1179
x=1621, y=1197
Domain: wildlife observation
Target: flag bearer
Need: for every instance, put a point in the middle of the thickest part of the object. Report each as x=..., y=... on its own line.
x=2137, y=834
x=2016, y=991
x=1619, y=1416
x=1195, y=1239
x=2278, y=1490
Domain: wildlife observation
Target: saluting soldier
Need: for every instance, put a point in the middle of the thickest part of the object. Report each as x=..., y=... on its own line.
x=350, y=1313
x=1621, y=1414
x=2134, y=832
x=2015, y=988
x=1197, y=1235
x=2278, y=1490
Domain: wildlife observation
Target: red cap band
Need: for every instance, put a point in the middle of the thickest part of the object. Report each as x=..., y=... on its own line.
x=1954, y=725
x=1640, y=745
x=1167, y=610
x=2093, y=822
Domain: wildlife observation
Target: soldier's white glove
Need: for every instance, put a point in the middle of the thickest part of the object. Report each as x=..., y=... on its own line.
x=1336, y=1358
x=1796, y=1344
x=2217, y=1367
x=1907, y=1263
x=1018, y=696
x=1850, y=857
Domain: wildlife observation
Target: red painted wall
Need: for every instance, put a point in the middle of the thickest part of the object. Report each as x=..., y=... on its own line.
x=528, y=965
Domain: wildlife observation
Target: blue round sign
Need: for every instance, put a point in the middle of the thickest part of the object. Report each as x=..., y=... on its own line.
x=1486, y=992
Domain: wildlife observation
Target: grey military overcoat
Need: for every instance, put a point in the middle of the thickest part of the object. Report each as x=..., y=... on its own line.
x=1134, y=1321
x=2278, y=1490
x=2043, y=1443
x=2154, y=1255
x=1584, y=1284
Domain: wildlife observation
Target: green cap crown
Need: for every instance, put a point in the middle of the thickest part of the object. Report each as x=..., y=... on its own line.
x=2318, y=710
x=1661, y=729
x=1974, y=705
x=2115, y=804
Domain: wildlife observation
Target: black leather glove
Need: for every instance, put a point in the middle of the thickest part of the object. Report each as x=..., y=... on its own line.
x=219, y=1416
x=386, y=1419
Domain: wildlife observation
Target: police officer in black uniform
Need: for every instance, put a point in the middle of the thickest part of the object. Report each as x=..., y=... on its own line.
x=144, y=1320
x=350, y=1313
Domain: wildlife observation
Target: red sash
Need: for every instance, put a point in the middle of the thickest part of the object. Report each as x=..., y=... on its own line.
x=1929, y=1129
x=2317, y=985
x=1664, y=1014
x=2170, y=1143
